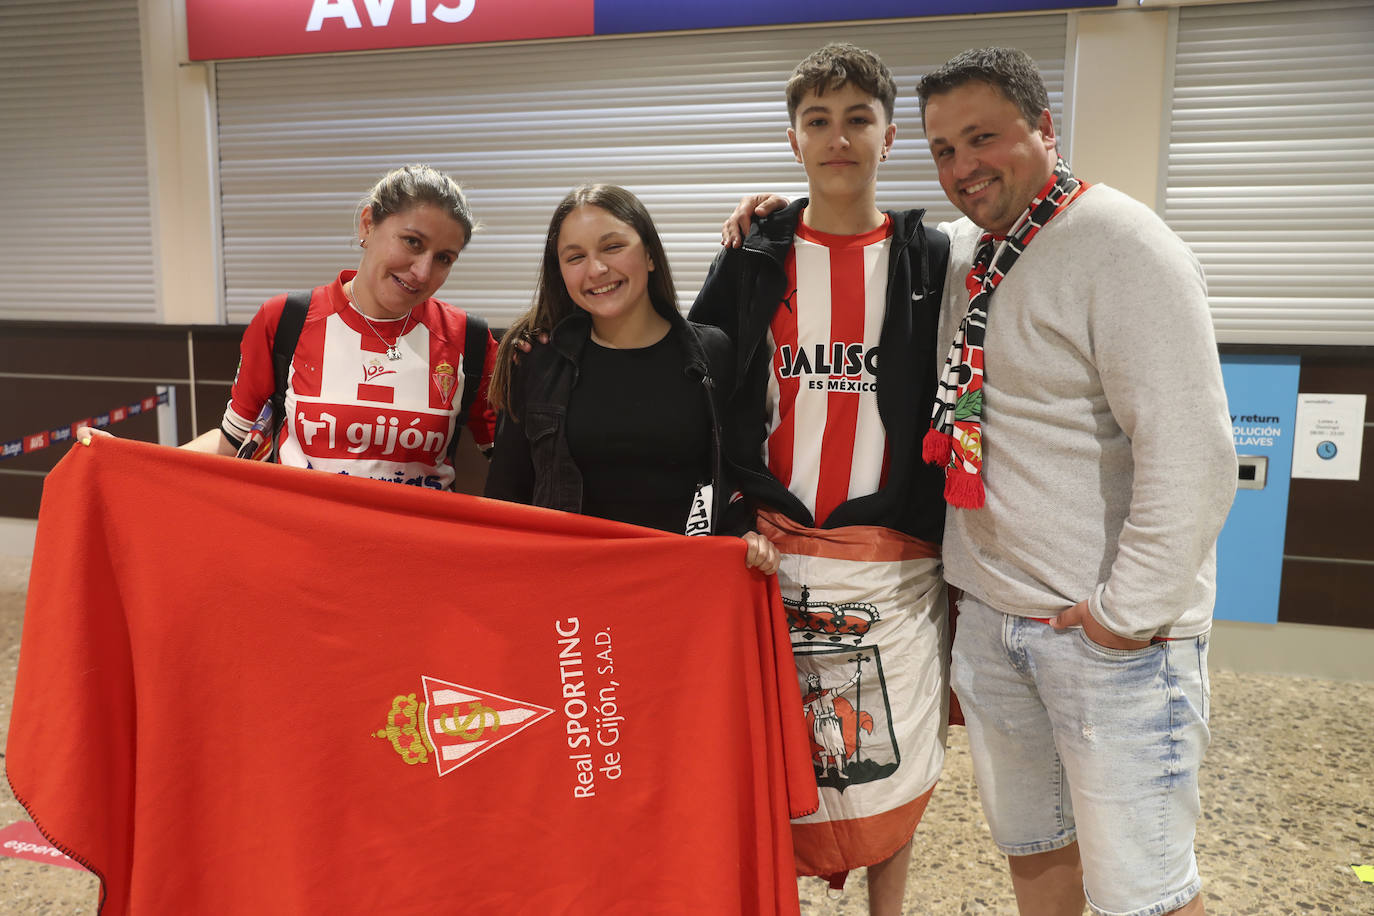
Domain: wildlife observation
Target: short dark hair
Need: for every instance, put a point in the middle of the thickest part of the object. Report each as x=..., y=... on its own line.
x=835, y=66
x=553, y=302
x=1008, y=70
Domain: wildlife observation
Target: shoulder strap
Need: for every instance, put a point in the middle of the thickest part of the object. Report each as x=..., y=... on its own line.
x=474, y=361
x=283, y=348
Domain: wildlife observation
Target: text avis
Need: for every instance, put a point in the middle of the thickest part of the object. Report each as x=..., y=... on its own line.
x=379, y=12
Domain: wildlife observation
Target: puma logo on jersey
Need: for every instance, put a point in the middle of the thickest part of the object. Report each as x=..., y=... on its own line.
x=787, y=300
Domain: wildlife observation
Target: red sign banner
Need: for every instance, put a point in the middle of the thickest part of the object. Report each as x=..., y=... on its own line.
x=22, y=840
x=219, y=29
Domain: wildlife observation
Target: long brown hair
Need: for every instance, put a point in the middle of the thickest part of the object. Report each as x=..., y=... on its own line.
x=552, y=303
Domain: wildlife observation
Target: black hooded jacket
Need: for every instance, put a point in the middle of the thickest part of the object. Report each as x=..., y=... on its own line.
x=742, y=292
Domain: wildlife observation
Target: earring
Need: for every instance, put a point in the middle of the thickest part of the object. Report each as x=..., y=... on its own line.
x=362, y=243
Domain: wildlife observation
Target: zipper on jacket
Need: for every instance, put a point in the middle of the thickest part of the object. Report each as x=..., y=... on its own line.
x=717, y=456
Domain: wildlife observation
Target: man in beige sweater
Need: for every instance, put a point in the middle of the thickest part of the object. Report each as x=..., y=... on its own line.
x=1089, y=380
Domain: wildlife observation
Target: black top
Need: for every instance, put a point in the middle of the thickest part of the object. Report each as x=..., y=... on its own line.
x=639, y=429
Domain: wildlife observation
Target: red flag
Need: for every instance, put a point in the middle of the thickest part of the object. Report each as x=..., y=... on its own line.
x=261, y=689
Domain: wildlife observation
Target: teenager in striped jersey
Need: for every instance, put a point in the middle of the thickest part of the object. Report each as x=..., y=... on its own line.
x=833, y=305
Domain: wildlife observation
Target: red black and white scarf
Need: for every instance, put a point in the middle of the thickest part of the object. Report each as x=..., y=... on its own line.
x=955, y=438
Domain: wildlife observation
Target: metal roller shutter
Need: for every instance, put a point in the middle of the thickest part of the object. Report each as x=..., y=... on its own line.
x=76, y=240
x=689, y=122
x=1269, y=176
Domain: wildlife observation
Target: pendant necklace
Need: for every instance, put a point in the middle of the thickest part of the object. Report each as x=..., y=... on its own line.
x=393, y=350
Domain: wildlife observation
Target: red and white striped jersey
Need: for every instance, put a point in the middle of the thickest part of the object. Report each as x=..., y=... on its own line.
x=825, y=442
x=351, y=409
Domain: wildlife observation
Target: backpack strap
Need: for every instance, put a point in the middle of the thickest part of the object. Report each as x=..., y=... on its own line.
x=283, y=348
x=474, y=361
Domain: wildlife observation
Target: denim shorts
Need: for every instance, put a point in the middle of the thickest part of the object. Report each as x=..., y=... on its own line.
x=1074, y=741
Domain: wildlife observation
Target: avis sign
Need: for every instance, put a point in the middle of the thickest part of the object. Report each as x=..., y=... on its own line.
x=220, y=29
x=379, y=13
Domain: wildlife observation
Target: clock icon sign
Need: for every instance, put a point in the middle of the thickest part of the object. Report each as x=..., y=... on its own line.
x=1326, y=449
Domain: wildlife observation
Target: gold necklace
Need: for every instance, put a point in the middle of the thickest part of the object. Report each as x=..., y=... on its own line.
x=393, y=350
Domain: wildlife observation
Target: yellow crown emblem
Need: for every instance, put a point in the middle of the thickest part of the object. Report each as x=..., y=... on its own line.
x=403, y=730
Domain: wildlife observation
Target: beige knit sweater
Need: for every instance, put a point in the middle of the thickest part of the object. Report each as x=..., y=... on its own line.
x=1109, y=464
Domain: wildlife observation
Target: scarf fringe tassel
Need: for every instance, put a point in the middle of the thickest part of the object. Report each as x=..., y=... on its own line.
x=964, y=490
x=936, y=447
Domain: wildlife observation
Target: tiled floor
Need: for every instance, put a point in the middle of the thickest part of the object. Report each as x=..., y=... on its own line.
x=1288, y=807
x=1287, y=801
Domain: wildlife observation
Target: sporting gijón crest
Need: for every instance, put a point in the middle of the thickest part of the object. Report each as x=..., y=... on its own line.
x=453, y=724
